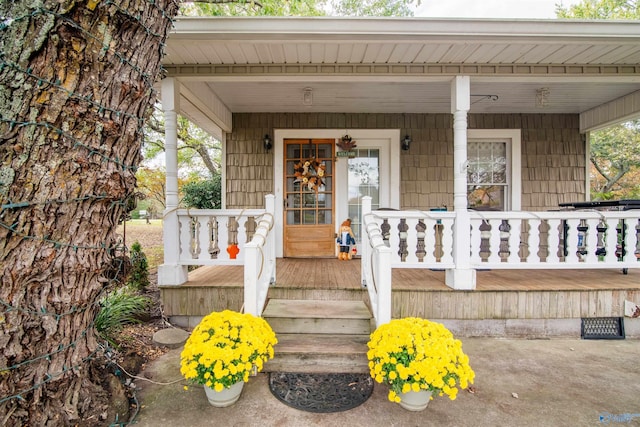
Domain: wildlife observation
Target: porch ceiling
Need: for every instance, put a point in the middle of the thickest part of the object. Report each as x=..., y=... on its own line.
x=400, y=65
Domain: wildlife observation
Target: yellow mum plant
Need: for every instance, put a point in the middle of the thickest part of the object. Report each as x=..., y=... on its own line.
x=224, y=347
x=413, y=354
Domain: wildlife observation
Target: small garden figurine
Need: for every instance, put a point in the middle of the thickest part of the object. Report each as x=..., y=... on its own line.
x=345, y=240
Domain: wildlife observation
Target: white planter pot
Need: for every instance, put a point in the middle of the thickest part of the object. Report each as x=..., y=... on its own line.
x=225, y=397
x=415, y=400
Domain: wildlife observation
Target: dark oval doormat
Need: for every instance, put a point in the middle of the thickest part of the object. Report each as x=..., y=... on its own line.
x=321, y=392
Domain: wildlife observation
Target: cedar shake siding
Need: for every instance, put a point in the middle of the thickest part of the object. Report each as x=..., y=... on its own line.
x=553, y=154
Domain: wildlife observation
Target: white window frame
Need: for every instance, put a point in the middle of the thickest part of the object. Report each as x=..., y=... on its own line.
x=513, y=139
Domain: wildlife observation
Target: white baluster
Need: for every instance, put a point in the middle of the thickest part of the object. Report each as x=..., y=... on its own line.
x=533, y=242
x=430, y=241
x=494, y=241
x=571, y=243
x=185, y=237
x=447, y=241
x=394, y=240
x=476, y=240
x=203, y=238
x=514, y=240
x=412, y=241
x=554, y=241
x=591, y=241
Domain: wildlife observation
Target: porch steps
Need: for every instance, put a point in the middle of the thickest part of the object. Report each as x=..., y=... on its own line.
x=317, y=336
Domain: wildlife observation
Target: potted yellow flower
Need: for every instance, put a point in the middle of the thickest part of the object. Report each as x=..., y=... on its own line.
x=418, y=358
x=221, y=353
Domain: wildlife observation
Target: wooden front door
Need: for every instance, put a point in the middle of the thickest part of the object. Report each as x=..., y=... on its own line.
x=309, y=229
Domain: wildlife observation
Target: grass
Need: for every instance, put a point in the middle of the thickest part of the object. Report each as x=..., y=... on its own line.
x=149, y=236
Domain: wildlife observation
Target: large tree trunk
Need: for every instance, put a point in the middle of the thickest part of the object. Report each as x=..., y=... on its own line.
x=76, y=82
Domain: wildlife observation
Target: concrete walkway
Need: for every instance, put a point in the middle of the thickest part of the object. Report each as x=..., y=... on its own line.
x=560, y=382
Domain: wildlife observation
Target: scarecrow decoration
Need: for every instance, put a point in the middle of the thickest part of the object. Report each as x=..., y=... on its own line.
x=345, y=240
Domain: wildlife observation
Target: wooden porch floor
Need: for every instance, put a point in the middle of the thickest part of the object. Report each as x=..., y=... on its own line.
x=305, y=273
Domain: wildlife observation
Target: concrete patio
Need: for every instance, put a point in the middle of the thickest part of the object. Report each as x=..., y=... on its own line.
x=559, y=382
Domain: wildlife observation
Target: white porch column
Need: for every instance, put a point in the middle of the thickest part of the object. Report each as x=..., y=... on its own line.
x=463, y=276
x=171, y=273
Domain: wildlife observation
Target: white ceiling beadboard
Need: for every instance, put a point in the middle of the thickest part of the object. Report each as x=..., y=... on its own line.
x=376, y=65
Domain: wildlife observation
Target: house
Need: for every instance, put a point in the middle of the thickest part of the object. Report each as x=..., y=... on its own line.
x=469, y=136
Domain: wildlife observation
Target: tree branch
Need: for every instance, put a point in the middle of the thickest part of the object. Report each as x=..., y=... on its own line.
x=599, y=169
x=612, y=181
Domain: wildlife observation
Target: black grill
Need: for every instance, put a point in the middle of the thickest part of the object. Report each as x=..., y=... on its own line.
x=603, y=328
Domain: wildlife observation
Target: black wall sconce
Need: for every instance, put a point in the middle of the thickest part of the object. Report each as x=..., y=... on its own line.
x=268, y=144
x=406, y=142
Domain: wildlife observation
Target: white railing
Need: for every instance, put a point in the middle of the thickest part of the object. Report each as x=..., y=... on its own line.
x=514, y=240
x=417, y=239
x=232, y=237
x=376, y=268
x=260, y=263
x=553, y=240
x=499, y=240
x=215, y=236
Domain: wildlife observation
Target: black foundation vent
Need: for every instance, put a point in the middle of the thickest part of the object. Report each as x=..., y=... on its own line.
x=603, y=328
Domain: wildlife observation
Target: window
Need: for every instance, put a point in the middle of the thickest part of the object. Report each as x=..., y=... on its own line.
x=363, y=180
x=493, y=170
x=487, y=185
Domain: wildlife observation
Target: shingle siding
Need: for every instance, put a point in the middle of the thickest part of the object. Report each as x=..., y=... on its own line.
x=553, y=154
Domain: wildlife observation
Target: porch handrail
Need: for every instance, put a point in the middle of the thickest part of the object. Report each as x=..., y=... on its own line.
x=260, y=262
x=418, y=239
x=215, y=236
x=555, y=239
x=375, y=265
x=514, y=239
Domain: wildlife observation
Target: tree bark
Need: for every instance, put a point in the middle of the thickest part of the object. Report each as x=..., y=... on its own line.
x=76, y=82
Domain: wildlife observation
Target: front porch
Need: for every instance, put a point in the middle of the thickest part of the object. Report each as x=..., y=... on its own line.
x=504, y=303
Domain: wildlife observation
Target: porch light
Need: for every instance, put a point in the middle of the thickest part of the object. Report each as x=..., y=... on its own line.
x=406, y=142
x=267, y=142
x=307, y=96
x=542, y=97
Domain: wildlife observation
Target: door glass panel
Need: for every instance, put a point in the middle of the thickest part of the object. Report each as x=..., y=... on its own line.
x=324, y=216
x=309, y=217
x=309, y=182
x=364, y=180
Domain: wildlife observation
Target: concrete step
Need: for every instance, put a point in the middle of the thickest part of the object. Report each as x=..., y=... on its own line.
x=318, y=317
x=317, y=336
x=320, y=353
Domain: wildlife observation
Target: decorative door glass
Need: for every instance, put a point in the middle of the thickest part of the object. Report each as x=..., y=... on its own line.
x=309, y=181
x=364, y=180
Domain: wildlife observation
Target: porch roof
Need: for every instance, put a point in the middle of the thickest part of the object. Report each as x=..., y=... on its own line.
x=382, y=65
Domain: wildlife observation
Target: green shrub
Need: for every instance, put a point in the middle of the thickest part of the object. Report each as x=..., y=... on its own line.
x=139, y=276
x=203, y=194
x=118, y=308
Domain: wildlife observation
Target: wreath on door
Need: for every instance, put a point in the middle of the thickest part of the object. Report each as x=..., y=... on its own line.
x=310, y=173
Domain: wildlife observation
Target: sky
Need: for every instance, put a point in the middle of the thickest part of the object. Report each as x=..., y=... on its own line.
x=523, y=9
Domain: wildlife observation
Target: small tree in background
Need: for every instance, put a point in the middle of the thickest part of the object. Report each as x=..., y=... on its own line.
x=139, y=277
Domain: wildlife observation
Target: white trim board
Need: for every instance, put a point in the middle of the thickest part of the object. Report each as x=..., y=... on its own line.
x=388, y=137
